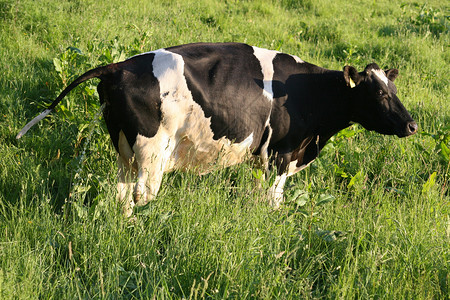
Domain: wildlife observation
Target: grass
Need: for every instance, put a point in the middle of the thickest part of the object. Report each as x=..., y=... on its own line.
x=368, y=219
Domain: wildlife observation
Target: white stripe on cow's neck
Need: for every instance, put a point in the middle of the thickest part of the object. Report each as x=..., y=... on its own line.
x=265, y=58
x=298, y=59
x=381, y=75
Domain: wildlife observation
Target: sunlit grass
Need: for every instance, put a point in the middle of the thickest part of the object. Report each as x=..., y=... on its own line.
x=383, y=231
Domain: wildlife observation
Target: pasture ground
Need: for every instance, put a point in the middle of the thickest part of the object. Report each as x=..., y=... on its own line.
x=369, y=219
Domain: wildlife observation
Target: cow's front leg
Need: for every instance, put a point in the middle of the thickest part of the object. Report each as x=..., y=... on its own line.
x=276, y=191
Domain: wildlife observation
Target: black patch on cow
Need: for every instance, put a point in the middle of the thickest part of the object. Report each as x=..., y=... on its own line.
x=132, y=99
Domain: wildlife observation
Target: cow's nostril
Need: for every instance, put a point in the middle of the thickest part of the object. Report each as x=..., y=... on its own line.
x=412, y=127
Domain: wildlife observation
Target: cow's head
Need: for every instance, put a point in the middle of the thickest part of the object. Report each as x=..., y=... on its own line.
x=374, y=103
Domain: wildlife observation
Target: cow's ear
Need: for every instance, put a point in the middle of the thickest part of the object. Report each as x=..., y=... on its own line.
x=351, y=76
x=391, y=74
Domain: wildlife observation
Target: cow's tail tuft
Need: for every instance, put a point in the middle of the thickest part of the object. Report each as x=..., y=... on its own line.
x=33, y=122
x=94, y=73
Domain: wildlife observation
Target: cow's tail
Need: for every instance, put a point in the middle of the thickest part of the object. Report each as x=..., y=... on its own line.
x=94, y=73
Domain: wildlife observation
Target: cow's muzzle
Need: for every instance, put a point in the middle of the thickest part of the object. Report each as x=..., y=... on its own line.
x=411, y=128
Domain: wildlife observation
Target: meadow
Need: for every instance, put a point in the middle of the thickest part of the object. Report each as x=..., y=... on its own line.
x=369, y=219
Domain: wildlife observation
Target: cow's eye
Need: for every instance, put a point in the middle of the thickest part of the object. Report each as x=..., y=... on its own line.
x=380, y=93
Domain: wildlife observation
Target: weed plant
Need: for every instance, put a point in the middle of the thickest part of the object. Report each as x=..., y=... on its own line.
x=368, y=219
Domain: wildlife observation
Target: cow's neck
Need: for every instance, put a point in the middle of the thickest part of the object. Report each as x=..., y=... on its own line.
x=326, y=108
x=317, y=105
x=337, y=100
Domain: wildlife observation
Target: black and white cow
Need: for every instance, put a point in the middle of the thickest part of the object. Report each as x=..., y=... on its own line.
x=199, y=105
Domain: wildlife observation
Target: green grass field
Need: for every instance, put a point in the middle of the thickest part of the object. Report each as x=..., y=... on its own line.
x=369, y=219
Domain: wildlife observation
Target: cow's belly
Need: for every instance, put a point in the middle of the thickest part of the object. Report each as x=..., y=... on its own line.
x=194, y=152
x=185, y=138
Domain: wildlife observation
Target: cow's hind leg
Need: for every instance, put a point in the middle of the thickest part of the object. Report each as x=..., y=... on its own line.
x=152, y=156
x=126, y=175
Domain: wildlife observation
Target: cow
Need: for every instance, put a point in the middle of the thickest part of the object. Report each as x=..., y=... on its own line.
x=202, y=105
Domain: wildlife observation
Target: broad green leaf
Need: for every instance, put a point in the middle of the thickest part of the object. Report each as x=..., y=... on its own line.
x=81, y=210
x=445, y=151
x=359, y=177
x=331, y=235
x=300, y=197
x=324, y=199
x=429, y=184
x=74, y=49
x=122, y=56
x=257, y=173
x=340, y=171
x=57, y=64
x=347, y=133
x=394, y=190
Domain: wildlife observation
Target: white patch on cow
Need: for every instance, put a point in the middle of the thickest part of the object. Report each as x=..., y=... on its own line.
x=276, y=191
x=265, y=58
x=184, y=139
x=381, y=75
x=293, y=169
x=298, y=59
x=33, y=122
